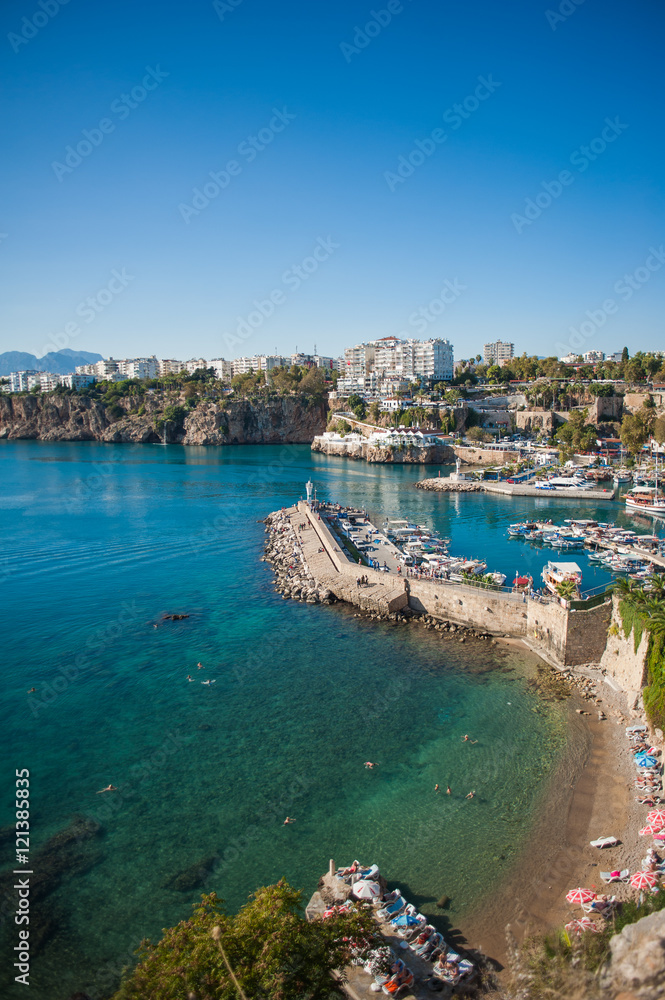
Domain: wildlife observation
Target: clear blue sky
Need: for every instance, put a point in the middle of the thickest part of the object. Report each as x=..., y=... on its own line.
x=329, y=173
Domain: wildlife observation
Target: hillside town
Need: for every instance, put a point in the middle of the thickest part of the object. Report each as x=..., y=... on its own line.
x=604, y=406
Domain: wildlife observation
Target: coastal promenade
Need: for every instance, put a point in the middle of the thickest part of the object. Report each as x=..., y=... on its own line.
x=563, y=635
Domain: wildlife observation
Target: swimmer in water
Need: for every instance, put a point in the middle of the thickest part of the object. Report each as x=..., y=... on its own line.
x=465, y=739
x=470, y=795
x=109, y=788
x=32, y=690
x=368, y=763
x=200, y=666
x=448, y=792
x=208, y=682
x=288, y=820
x=190, y=679
x=436, y=788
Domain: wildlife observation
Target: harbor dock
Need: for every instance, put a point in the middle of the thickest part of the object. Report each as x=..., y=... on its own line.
x=444, y=485
x=312, y=563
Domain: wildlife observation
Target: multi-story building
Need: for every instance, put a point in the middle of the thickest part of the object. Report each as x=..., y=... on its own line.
x=593, y=357
x=223, y=369
x=74, y=380
x=23, y=381
x=138, y=367
x=359, y=360
x=498, y=351
x=195, y=364
x=169, y=366
x=102, y=369
x=414, y=359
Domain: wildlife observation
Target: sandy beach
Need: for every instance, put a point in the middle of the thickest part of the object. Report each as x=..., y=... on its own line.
x=591, y=795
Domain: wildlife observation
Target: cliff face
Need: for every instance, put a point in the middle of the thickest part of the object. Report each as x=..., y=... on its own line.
x=286, y=419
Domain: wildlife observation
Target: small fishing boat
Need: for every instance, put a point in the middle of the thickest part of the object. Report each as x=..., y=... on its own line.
x=556, y=573
x=648, y=499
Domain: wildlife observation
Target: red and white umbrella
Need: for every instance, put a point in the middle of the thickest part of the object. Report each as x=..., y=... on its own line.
x=656, y=816
x=584, y=924
x=650, y=830
x=643, y=880
x=579, y=896
x=366, y=890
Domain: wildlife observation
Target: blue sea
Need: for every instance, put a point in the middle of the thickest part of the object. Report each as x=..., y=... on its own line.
x=99, y=543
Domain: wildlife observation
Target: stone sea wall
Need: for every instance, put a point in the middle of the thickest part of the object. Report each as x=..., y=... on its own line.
x=279, y=420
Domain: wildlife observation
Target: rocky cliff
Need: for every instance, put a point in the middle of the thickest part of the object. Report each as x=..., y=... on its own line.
x=440, y=454
x=282, y=419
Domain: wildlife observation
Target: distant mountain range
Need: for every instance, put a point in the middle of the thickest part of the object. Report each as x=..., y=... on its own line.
x=58, y=362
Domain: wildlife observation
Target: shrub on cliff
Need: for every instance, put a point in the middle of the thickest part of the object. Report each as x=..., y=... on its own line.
x=267, y=950
x=641, y=610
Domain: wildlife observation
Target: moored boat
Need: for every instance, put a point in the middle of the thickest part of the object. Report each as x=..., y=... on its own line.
x=556, y=573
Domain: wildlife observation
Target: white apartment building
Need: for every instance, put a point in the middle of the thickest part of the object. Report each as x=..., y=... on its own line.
x=593, y=357
x=259, y=363
x=498, y=351
x=414, y=359
x=169, y=366
x=23, y=381
x=138, y=367
x=313, y=361
x=73, y=380
x=195, y=364
x=359, y=360
x=223, y=369
x=102, y=369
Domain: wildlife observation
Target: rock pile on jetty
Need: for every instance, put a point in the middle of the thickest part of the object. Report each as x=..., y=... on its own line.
x=284, y=552
x=445, y=486
x=408, y=615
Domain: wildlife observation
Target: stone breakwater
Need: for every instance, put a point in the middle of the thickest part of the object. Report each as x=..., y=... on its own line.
x=292, y=574
x=445, y=486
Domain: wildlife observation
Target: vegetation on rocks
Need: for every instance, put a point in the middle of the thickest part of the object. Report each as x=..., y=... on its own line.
x=267, y=950
x=642, y=607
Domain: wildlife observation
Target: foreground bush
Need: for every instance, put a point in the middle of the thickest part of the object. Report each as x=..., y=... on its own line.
x=268, y=951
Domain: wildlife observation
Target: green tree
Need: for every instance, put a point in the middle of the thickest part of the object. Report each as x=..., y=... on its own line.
x=357, y=405
x=479, y=435
x=659, y=430
x=375, y=411
x=625, y=355
x=634, y=432
x=268, y=950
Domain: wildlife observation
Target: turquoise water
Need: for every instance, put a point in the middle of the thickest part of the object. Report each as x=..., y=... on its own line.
x=98, y=543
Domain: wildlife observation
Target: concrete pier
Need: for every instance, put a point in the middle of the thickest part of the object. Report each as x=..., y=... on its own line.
x=444, y=485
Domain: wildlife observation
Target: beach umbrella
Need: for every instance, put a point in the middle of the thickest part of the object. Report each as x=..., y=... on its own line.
x=644, y=760
x=643, y=880
x=650, y=830
x=579, y=896
x=657, y=816
x=587, y=924
x=405, y=920
x=366, y=890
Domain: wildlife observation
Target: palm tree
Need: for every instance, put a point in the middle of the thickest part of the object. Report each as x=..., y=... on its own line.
x=566, y=589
